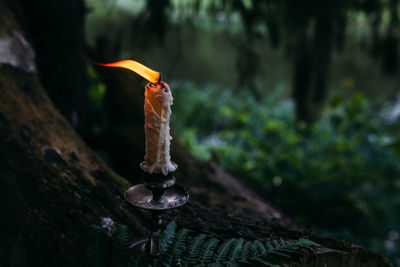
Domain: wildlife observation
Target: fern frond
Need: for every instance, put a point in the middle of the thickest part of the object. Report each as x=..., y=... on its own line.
x=244, y=254
x=194, y=248
x=256, y=249
x=120, y=247
x=273, y=249
x=284, y=248
x=178, y=246
x=167, y=237
x=223, y=250
x=207, y=250
x=234, y=254
x=302, y=242
x=176, y=250
x=123, y=234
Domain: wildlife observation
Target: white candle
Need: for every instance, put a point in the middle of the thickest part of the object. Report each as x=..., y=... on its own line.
x=157, y=108
x=157, y=111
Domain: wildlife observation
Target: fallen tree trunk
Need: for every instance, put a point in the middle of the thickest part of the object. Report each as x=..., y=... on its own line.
x=52, y=184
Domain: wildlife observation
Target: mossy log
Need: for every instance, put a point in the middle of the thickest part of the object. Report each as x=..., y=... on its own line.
x=52, y=184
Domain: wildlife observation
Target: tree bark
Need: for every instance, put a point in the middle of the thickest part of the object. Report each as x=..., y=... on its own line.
x=56, y=30
x=52, y=184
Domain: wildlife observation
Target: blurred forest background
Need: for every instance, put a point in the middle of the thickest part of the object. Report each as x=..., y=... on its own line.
x=300, y=98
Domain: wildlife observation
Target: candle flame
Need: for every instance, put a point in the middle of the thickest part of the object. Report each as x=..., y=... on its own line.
x=147, y=73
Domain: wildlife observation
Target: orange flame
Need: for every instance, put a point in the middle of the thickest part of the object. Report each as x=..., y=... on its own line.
x=149, y=74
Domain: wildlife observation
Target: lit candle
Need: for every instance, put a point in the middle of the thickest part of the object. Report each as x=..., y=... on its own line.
x=157, y=110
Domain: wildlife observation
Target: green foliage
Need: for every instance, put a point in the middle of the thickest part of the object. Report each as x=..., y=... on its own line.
x=173, y=256
x=224, y=249
x=207, y=251
x=194, y=248
x=97, y=89
x=235, y=253
x=347, y=162
x=167, y=237
x=181, y=249
x=96, y=94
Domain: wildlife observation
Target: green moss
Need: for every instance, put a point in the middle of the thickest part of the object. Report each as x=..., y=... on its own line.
x=112, y=179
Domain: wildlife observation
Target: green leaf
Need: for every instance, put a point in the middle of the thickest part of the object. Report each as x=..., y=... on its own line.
x=236, y=250
x=223, y=250
x=207, y=251
x=178, y=246
x=244, y=254
x=194, y=248
x=167, y=237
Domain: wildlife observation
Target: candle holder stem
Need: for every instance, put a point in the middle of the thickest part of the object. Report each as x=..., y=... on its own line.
x=156, y=193
x=154, y=242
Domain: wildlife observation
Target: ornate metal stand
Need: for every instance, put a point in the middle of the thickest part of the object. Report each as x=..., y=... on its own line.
x=156, y=193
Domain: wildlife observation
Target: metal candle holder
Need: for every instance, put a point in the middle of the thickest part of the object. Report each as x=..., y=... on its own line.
x=156, y=193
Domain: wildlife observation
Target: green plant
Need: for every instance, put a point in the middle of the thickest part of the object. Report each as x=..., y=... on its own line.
x=179, y=248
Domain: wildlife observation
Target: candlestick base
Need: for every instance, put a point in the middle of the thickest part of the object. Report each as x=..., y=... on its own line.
x=140, y=196
x=156, y=193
